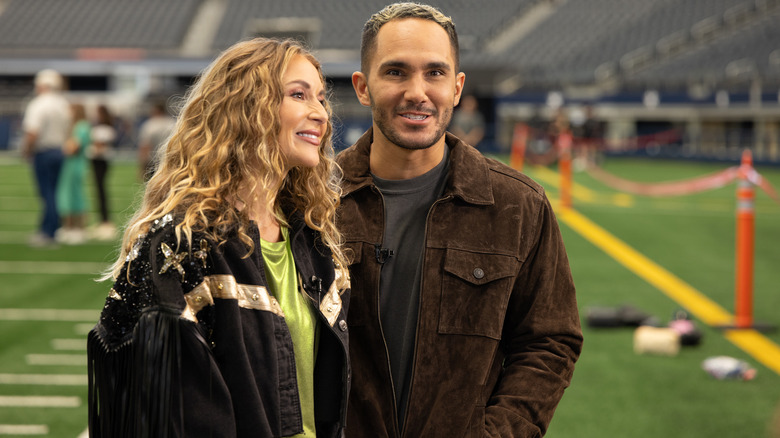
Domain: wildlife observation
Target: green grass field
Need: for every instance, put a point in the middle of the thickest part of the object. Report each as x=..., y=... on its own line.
x=615, y=393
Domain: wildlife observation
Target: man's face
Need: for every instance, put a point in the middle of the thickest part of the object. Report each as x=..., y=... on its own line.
x=412, y=85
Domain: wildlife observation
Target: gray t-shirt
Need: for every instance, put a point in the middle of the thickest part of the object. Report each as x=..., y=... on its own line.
x=407, y=203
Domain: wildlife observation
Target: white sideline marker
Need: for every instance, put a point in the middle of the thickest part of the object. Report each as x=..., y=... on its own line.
x=83, y=328
x=56, y=268
x=74, y=315
x=33, y=401
x=69, y=344
x=24, y=429
x=44, y=379
x=57, y=359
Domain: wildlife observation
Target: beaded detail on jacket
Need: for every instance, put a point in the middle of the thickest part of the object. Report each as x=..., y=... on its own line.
x=133, y=289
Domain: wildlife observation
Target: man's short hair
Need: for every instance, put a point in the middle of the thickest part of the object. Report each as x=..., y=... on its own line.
x=399, y=11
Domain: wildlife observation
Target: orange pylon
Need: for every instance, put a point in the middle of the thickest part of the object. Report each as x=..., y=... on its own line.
x=519, y=140
x=746, y=195
x=564, y=167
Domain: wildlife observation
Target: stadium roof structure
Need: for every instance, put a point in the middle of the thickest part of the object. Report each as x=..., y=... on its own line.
x=593, y=46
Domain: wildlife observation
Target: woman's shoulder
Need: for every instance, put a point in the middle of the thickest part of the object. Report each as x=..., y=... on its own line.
x=158, y=270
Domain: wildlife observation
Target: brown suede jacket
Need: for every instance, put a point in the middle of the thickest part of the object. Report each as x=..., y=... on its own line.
x=498, y=330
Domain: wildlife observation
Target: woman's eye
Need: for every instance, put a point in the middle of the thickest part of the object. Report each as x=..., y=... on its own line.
x=297, y=94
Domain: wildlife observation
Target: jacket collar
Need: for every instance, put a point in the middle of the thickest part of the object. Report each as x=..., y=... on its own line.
x=469, y=177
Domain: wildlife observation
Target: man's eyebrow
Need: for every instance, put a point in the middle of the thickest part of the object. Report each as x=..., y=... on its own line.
x=429, y=66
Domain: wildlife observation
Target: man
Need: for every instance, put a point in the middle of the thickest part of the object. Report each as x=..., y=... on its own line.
x=463, y=318
x=154, y=131
x=46, y=126
x=468, y=124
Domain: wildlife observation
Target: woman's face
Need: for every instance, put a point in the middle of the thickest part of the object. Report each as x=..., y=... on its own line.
x=302, y=114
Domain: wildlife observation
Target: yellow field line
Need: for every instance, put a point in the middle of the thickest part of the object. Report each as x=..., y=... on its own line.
x=758, y=346
x=579, y=192
x=553, y=178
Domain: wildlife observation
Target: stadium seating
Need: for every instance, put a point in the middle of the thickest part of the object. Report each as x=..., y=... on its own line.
x=46, y=26
x=578, y=42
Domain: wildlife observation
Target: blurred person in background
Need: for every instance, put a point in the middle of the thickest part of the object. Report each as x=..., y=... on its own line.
x=46, y=126
x=463, y=317
x=153, y=133
x=71, y=197
x=227, y=317
x=592, y=138
x=103, y=139
x=559, y=125
x=468, y=124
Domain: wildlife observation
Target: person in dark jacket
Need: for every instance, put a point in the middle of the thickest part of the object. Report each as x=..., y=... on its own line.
x=227, y=317
x=463, y=317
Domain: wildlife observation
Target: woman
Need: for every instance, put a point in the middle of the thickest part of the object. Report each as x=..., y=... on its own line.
x=71, y=199
x=228, y=314
x=103, y=138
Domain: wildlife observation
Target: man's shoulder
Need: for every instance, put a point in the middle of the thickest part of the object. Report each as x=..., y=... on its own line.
x=345, y=153
x=504, y=178
x=512, y=176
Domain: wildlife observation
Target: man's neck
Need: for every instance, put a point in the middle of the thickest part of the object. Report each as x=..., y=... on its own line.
x=389, y=161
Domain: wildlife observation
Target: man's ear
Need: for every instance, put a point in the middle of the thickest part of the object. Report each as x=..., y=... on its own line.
x=360, y=84
x=460, y=80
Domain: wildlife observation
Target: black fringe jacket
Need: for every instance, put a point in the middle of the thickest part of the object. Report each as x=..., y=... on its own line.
x=190, y=342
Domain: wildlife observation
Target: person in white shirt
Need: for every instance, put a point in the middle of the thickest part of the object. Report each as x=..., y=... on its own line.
x=46, y=125
x=154, y=131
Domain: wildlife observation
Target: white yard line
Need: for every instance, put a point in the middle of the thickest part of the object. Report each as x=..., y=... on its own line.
x=74, y=315
x=83, y=328
x=56, y=268
x=24, y=429
x=44, y=379
x=34, y=401
x=56, y=359
x=69, y=344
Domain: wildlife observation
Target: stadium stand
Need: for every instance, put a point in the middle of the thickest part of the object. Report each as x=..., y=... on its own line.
x=733, y=55
x=520, y=55
x=50, y=26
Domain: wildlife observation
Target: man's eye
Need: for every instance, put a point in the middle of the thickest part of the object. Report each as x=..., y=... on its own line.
x=394, y=73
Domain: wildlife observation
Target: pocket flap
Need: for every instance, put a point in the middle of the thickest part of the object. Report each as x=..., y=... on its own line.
x=477, y=268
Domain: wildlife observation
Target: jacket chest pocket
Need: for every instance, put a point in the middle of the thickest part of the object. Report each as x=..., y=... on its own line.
x=475, y=293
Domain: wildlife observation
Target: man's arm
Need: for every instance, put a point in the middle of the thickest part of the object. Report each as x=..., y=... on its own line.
x=542, y=339
x=28, y=144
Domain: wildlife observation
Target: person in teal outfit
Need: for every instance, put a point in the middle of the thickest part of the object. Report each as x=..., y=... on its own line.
x=71, y=197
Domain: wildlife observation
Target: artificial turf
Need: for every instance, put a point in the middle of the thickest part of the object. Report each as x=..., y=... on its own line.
x=614, y=393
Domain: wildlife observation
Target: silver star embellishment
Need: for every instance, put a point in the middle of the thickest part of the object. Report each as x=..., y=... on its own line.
x=203, y=253
x=172, y=259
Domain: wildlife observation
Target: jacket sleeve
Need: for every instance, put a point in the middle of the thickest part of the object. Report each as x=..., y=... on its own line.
x=541, y=341
x=135, y=351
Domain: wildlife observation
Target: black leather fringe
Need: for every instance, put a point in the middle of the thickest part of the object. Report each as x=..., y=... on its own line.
x=134, y=389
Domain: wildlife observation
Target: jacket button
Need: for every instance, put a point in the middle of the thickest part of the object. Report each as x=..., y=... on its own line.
x=343, y=325
x=478, y=273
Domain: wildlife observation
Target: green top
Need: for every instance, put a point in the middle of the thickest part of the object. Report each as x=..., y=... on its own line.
x=300, y=317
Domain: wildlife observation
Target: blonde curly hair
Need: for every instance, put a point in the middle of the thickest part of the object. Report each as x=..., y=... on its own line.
x=226, y=144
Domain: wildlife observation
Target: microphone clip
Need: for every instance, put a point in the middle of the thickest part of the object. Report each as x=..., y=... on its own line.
x=382, y=254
